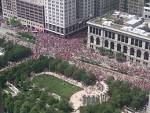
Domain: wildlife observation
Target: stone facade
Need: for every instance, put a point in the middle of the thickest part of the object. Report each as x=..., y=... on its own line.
x=136, y=47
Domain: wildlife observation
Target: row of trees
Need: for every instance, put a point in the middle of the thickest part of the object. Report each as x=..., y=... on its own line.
x=121, y=94
x=26, y=36
x=13, y=53
x=120, y=57
x=13, y=22
x=63, y=67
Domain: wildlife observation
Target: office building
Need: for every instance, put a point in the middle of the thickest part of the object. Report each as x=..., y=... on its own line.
x=121, y=32
x=59, y=16
x=9, y=8
x=132, y=6
x=67, y=16
x=29, y=12
x=105, y=6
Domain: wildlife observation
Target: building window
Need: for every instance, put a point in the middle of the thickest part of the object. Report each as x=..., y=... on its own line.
x=113, y=35
x=106, y=34
x=96, y=31
x=124, y=49
x=122, y=39
x=132, y=51
x=132, y=41
x=118, y=37
x=126, y=40
x=109, y=34
x=146, y=56
x=99, y=32
x=140, y=43
x=97, y=41
x=145, y=63
x=91, y=39
x=136, y=42
x=90, y=29
x=118, y=47
x=93, y=30
x=138, y=53
x=106, y=43
x=112, y=45
x=146, y=45
x=145, y=16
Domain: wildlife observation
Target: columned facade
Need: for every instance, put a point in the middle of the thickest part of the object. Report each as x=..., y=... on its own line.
x=136, y=49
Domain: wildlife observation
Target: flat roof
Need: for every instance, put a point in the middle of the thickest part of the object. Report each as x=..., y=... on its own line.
x=36, y=2
x=123, y=22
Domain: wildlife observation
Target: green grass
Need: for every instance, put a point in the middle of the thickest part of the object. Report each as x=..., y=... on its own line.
x=55, y=85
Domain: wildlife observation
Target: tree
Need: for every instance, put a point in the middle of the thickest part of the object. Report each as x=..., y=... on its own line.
x=8, y=103
x=17, y=105
x=25, y=107
x=69, y=71
x=1, y=101
x=61, y=67
x=120, y=57
x=35, y=109
x=14, y=22
x=64, y=106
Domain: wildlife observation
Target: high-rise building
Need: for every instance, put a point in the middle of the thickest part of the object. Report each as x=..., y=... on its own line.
x=60, y=16
x=67, y=16
x=132, y=6
x=105, y=6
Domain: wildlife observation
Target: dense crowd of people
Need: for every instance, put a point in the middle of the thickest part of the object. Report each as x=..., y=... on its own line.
x=72, y=48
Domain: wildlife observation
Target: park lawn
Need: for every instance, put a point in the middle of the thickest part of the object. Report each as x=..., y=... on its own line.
x=55, y=85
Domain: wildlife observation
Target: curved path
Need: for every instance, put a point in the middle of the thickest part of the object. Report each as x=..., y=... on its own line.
x=64, y=78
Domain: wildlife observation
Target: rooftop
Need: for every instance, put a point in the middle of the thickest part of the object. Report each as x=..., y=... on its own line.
x=124, y=22
x=36, y=2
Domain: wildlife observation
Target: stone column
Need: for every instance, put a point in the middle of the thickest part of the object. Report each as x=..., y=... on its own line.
x=115, y=46
x=143, y=44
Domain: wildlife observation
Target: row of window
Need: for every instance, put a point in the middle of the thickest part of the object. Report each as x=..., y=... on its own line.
x=125, y=48
x=136, y=42
x=95, y=31
x=121, y=38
